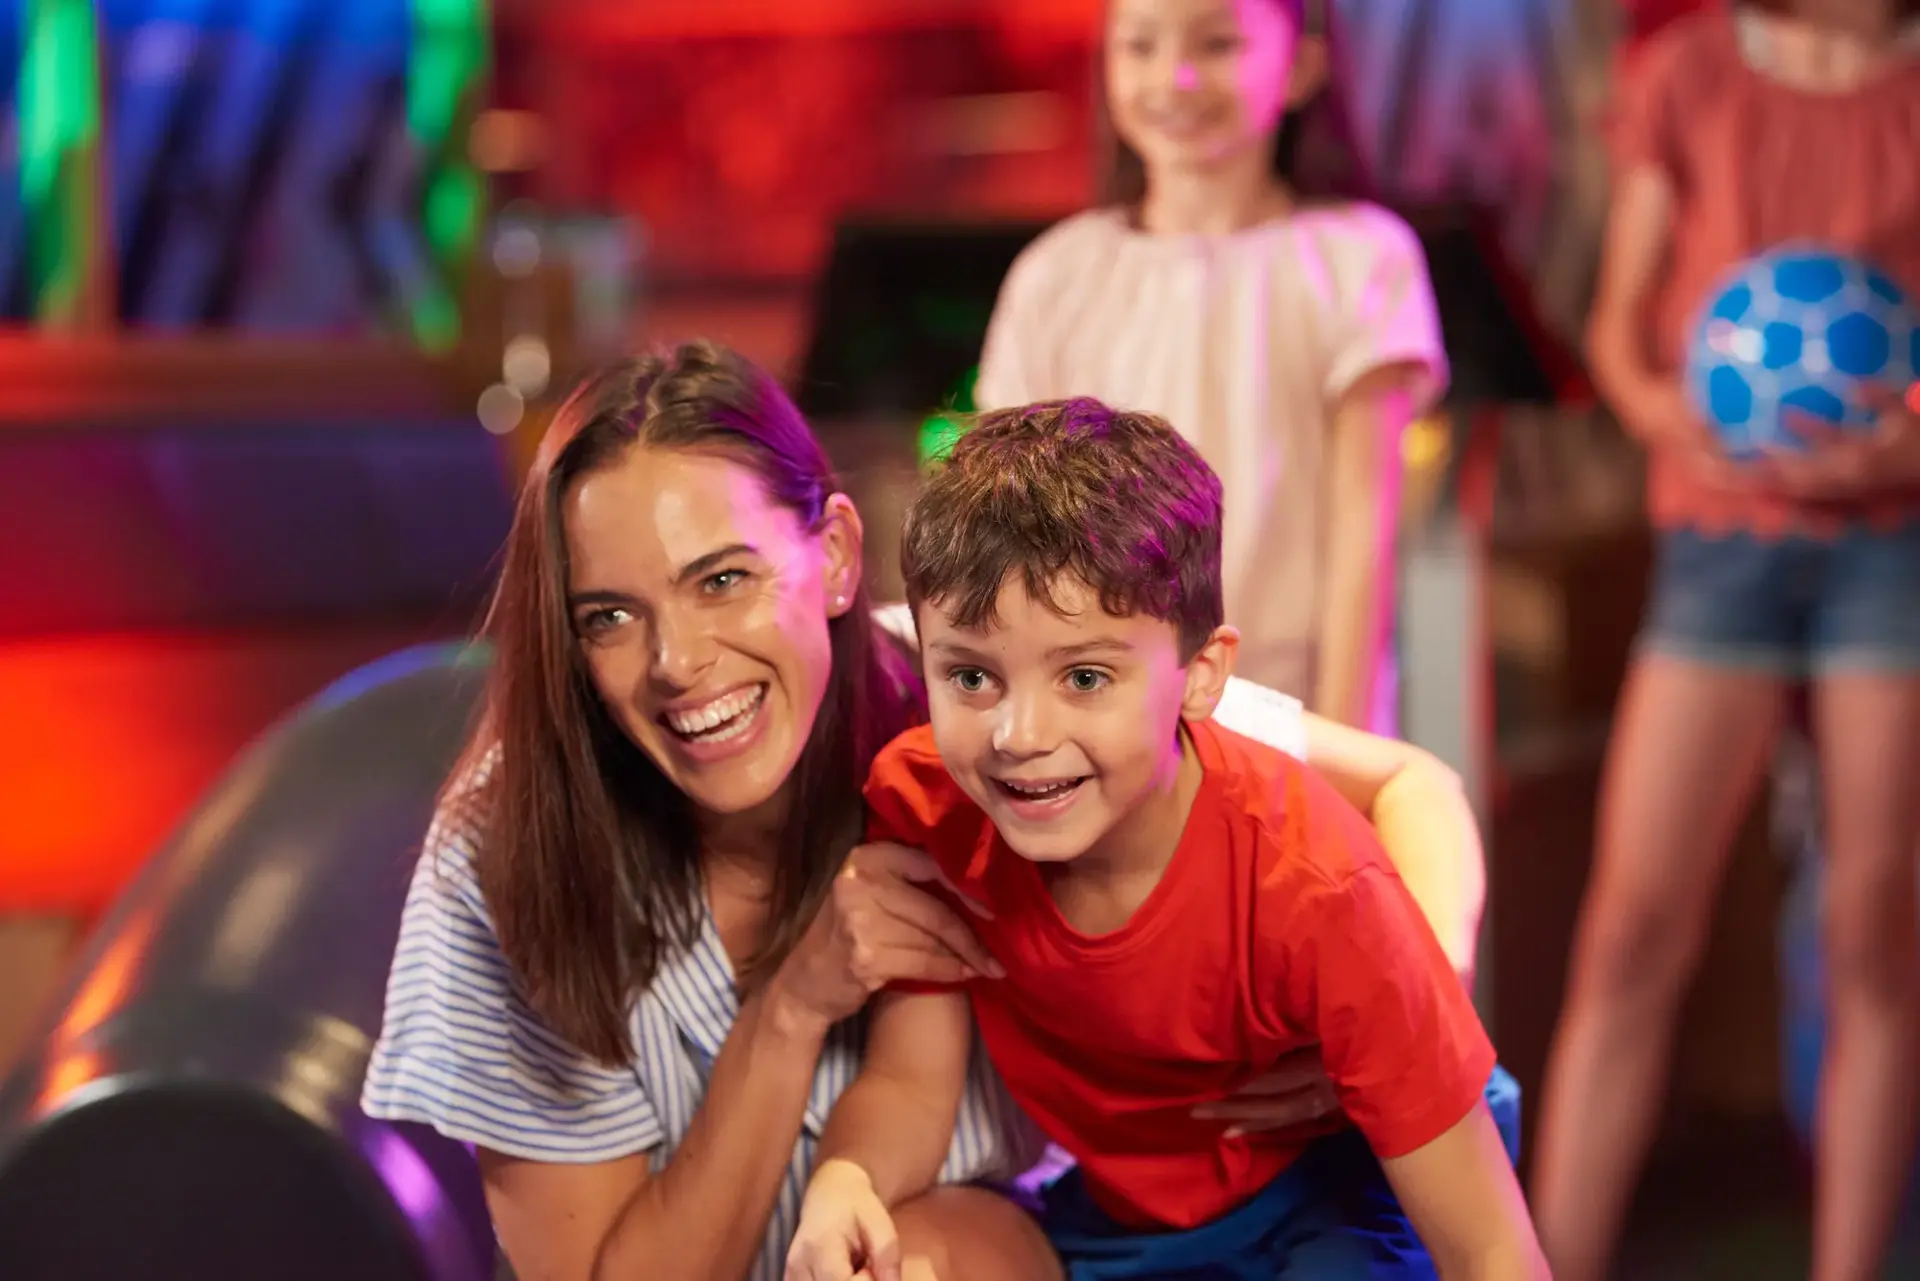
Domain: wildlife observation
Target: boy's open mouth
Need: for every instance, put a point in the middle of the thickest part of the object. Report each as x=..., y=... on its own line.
x=1046, y=789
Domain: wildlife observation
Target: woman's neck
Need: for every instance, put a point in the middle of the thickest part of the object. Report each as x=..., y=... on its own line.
x=1214, y=202
x=741, y=849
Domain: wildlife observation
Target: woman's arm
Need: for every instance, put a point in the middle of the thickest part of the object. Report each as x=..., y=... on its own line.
x=1421, y=813
x=705, y=1215
x=1363, y=517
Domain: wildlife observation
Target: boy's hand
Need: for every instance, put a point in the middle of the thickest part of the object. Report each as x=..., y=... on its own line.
x=845, y=1230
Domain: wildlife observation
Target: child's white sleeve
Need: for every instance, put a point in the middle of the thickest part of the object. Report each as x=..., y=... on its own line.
x=1276, y=719
x=1388, y=314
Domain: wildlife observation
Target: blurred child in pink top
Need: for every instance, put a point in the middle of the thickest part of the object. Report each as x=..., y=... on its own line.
x=1234, y=282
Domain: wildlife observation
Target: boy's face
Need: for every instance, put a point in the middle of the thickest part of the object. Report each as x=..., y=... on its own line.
x=1061, y=724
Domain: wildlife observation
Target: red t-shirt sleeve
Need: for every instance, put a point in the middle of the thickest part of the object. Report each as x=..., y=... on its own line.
x=1645, y=120
x=1361, y=971
x=913, y=801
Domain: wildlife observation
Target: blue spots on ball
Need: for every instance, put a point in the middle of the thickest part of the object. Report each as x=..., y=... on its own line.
x=1808, y=277
x=1781, y=345
x=1859, y=345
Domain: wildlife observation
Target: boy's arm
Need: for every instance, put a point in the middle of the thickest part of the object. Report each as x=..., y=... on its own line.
x=1424, y=820
x=1460, y=1194
x=1352, y=958
x=895, y=1122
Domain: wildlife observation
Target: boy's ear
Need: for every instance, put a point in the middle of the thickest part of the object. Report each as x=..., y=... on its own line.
x=1207, y=673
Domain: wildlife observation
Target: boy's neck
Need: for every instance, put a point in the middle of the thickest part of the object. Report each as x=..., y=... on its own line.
x=1213, y=203
x=1123, y=867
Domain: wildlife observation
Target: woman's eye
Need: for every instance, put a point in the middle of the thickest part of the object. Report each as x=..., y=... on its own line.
x=725, y=580
x=599, y=621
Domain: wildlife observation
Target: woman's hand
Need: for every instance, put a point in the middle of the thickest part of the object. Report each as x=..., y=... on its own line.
x=878, y=926
x=1839, y=463
x=1296, y=1091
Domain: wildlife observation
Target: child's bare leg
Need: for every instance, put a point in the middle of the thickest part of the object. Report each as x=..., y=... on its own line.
x=1868, y=728
x=971, y=1234
x=1689, y=746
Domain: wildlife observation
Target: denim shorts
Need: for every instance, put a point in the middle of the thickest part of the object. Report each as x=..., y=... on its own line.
x=1328, y=1217
x=1793, y=606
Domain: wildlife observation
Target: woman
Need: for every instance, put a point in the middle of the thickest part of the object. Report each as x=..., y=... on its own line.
x=633, y=956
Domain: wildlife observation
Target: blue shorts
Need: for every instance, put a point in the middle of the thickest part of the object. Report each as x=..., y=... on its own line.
x=1794, y=607
x=1329, y=1217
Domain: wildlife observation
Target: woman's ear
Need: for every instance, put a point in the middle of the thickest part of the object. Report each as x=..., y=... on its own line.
x=841, y=537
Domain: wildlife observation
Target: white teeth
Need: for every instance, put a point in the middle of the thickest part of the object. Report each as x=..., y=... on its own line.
x=1039, y=789
x=701, y=722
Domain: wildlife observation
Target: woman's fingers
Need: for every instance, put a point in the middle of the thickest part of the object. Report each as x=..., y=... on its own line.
x=921, y=964
x=1295, y=1070
x=924, y=913
x=1274, y=1112
x=887, y=859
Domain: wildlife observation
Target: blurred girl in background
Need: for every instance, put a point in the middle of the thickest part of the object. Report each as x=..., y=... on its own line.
x=1235, y=281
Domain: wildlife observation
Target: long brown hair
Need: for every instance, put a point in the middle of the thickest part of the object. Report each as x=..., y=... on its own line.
x=588, y=857
x=1316, y=153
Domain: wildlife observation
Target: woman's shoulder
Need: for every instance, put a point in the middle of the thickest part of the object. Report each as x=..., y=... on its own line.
x=451, y=848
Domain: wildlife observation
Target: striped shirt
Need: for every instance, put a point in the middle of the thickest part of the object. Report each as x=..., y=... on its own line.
x=461, y=1051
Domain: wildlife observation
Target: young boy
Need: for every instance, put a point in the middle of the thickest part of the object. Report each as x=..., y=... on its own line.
x=1175, y=908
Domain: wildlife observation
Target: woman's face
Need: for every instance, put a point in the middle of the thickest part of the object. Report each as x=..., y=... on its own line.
x=1193, y=84
x=701, y=607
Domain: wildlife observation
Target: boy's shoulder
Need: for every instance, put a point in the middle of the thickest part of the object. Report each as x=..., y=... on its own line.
x=1301, y=832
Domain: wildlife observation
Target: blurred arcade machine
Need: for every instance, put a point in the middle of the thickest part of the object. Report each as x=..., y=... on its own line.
x=273, y=350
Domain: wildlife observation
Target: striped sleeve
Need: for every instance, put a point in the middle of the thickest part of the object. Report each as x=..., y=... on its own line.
x=460, y=1051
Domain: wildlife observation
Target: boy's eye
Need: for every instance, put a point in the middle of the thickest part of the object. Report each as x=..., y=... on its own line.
x=1086, y=680
x=968, y=680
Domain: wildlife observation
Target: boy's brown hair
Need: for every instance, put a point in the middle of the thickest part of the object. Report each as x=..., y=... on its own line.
x=1118, y=500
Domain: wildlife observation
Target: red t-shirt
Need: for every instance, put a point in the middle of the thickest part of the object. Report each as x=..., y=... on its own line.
x=1278, y=923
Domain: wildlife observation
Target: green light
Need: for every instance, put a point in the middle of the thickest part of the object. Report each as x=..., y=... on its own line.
x=939, y=432
x=59, y=124
x=446, y=76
